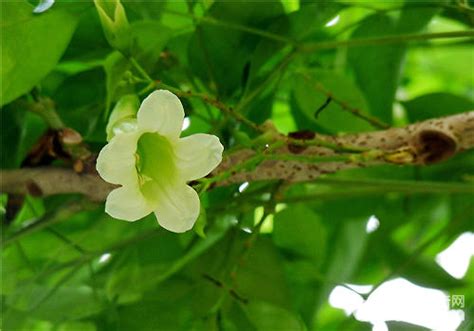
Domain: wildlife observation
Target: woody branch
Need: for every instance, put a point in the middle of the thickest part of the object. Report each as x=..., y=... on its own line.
x=298, y=157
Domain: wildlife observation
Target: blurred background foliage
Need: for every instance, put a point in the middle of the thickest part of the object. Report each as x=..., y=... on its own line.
x=66, y=265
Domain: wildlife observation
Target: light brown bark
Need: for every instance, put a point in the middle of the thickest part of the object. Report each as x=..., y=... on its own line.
x=421, y=143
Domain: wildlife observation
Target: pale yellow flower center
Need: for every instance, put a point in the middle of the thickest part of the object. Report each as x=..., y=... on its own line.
x=155, y=164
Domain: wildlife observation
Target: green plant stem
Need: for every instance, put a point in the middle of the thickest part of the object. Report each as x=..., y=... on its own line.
x=45, y=221
x=188, y=94
x=44, y=107
x=140, y=69
x=88, y=257
x=394, y=185
x=311, y=47
x=395, y=39
x=234, y=26
x=256, y=91
x=213, y=102
x=66, y=240
x=458, y=221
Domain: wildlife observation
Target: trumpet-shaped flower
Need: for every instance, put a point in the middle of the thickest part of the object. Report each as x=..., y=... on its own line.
x=153, y=164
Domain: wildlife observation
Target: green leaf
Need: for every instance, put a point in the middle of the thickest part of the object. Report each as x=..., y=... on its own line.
x=261, y=277
x=124, y=285
x=76, y=326
x=307, y=23
x=349, y=247
x=214, y=45
x=422, y=271
x=436, y=105
x=258, y=273
x=31, y=45
x=118, y=77
x=165, y=308
x=80, y=102
x=20, y=131
x=299, y=230
x=149, y=38
x=267, y=317
x=88, y=42
x=347, y=250
x=59, y=304
x=378, y=68
x=308, y=91
x=402, y=326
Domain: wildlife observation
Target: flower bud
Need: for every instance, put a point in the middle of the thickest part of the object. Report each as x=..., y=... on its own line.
x=123, y=117
x=114, y=22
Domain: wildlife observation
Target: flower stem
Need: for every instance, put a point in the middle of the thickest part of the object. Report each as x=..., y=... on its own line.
x=188, y=94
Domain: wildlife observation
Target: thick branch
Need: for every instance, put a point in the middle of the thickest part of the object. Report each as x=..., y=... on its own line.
x=296, y=160
x=421, y=143
x=53, y=180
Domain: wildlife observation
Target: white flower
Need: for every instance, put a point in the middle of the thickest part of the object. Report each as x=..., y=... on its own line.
x=153, y=164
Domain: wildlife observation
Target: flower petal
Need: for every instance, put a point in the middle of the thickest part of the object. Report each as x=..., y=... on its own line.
x=178, y=208
x=116, y=161
x=161, y=112
x=198, y=155
x=127, y=203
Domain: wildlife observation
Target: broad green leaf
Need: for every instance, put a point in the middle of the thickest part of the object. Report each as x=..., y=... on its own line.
x=149, y=38
x=59, y=304
x=21, y=321
x=436, y=105
x=299, y=230
x=124, y=284
x=261, y=277
x=83, y=111
x=420, y=270
x=267, y=317
x=311, y=92
x=118, y=82
x=165, y=308
x=147, y=10
x=88, y=42
x=348, y=248
x=378, y=68
x=20, y=131
x=174, y=13
x=258, y=273
x=31, y=45
x=305, y=24
x=218, y=53
x=402, y=326
x=75, y=326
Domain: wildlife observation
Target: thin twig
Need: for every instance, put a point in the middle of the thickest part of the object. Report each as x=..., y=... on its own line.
x=343, y=104
x=394, y=39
